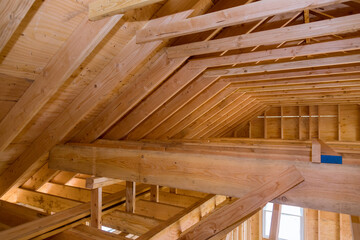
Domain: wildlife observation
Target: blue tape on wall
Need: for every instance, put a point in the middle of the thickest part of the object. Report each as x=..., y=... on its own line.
x=331, y=159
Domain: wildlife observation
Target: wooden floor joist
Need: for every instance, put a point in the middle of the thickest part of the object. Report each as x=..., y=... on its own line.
x=153, y=167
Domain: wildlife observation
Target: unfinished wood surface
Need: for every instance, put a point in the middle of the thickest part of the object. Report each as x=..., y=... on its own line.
x=219, y=223
x=97, y=182
x=130, y=196
x=72, y=53
x=228, y=17
x=12, y=13
x=315, y=29
x=355, y=226
x=275, y=222
x=316, y=151
x=154, y=193
x=96, y=208
x=96, y=91
x=144, y=166
x=49, y=223
x=100, y=9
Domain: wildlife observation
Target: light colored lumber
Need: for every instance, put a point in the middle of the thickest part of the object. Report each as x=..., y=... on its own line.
x=96, y=208
x=316, y=29
x=41, y=177
x=321, y=62
x=315, y=151
x=12, y=13
x=179, y=80
x=212, y=173
x=100, y=9
x=355, y=227
x=228, y=17
x=97, y=182
x=275, y=222
x=225, y=219
x=129, y=222
x=130, y=196
x=49, y=224
x=154, y=193
x=83, y=232
x=68, y=58
x=172, y=228
x=106, y=81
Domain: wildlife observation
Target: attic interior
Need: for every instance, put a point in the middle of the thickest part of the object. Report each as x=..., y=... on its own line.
x=191, y=119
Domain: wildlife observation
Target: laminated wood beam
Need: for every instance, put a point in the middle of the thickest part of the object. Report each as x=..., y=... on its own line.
x=105, y=82
x=216, y=174
x=12, y=13
x=100, y=9
x=316, y=29
x=320, y=62
x=48, y=225
x=60, y=67
x=221, y=222
x=228, y=17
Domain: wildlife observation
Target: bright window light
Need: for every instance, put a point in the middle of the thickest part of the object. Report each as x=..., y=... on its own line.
x=291, y=222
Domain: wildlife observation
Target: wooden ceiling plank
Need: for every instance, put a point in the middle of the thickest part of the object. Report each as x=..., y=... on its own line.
x=228, y=17
x=189, y=108
x=191, y=130
x=242, y=119
x=173, y=85
x=170, y=107
x=156, y=71
x=293, y=65
x=60, y=67
x=104, y=8
x=12, y=14
x=225, y=219
x=133, y=55
x=223, y=175
x=316, y=29
x=218, y=114
x=239, y=109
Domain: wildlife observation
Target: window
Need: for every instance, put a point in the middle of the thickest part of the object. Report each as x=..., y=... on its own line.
x=291, y=222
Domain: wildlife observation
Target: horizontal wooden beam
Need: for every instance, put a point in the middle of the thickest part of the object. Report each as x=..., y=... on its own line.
x=228, y=17
x=225, y=219
x=96, y=182
x=104, y=8
x=316, y=29
x=217, y=174
x=320, y=62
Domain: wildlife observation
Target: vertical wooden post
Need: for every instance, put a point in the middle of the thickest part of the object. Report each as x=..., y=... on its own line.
x=355, y=226
x=173, y=190
x=310, y=122
x=275, y=222
x=319, y=122
x=299, y=110
x=339, y=127
x=316, y=151
x=282, y=123
x=265, y=126
x=130, y=196
x=250, y=129
x=96, y=208
x=307, y=20
x=154, y=193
